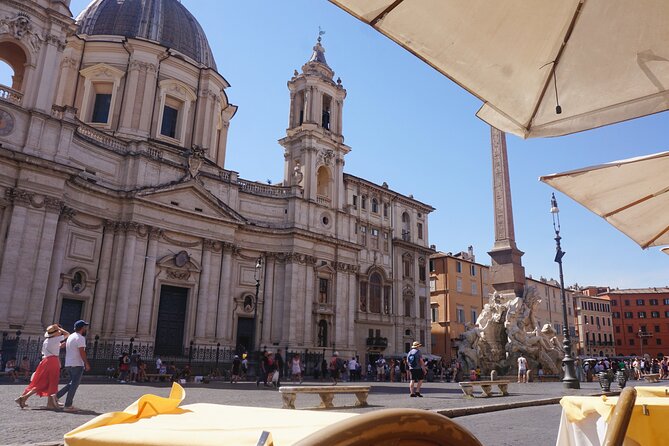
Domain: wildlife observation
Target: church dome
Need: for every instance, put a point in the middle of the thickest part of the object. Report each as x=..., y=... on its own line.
x=166, y=22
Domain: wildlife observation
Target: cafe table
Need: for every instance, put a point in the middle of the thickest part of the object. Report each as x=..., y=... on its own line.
x=584, y=419
x=154, y=420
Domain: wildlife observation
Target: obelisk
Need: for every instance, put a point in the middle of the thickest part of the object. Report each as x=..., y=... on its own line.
x=507, y=274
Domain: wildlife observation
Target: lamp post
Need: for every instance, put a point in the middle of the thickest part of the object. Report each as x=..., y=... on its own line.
x=569, y=381
x=256, y=276
x=643, y=335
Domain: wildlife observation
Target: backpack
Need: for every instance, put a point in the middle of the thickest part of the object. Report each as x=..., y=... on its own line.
x=412, y=359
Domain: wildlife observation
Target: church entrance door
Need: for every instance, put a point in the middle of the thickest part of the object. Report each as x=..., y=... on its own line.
x=244, y=334
x=171, y=320
x=70, y=312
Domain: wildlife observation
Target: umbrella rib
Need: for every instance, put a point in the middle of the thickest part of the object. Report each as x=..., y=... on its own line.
x=651, y=241
x=385, y=12
x=550, y=76
x=634, y=203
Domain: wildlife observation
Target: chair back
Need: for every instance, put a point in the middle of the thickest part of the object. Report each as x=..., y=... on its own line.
x=393, y=426
x=620, y=418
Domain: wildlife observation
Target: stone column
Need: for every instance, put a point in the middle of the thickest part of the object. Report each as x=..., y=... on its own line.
x=53, y=284
x=125, y=280
x=308, y=335
x=148, y=284
x=100, y=295
x=353, y=303
x=4, y=225
x=289, y=313
x=224, y=319
x=268, y=300
x=130, y=96
x=214, y=280
x=12, y=252
x=203, y=291
x=36, y=290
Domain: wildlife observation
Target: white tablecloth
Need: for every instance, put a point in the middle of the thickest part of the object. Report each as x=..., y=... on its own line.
x=588, y=432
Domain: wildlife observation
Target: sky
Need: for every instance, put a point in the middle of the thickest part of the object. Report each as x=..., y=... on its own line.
x=416, y=130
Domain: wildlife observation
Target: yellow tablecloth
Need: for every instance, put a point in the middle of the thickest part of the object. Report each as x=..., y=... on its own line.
x=153, y=420
x=646, y=430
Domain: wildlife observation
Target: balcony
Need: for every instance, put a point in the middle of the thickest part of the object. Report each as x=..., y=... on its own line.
x=10, y=95
x=323, y=200
x=377, y=342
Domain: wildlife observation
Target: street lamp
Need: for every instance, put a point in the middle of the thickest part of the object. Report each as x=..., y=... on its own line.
x=570, y=381
x=256, y=276
x=643, y=335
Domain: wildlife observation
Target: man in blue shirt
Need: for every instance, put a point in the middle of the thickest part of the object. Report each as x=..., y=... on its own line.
x=416, y=368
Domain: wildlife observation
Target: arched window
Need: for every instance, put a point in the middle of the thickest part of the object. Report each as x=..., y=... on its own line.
x=12, y=71
x=323, y=182
x=375, y=290
x=406, y=225
x=322, y=333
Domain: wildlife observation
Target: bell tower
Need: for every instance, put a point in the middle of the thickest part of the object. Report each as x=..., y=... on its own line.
x=314, y=147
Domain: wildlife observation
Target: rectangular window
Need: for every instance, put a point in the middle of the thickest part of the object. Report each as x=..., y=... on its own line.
x=619, y=342
x=364, y=202
x=375, y=232
x=475, y=289
x=363, y=229
x=631, y=341
x=422, y=307
x=420, y=230
x=616, y=315
x=666, y=314
x=435, y=314
x=169, y=124
x=407, y=307
x=474, y=316
x=458, y=284
x=323, y=290
x=629, y=329
x=101, y=108
x=627, y=303
x=363, y=296
x=460, y=314
x=641, y=314
x=640, y=302
x=666, y=301
x=472, y=270
x=654, y=314
x=658, y=341
x=657, y=329
x=614, y=302
x=385, y=210
x=387, y=298
x=628, y=315
x=355, y=202
x=421, y=273
x=652, y=301
x=432, y=266
x=433, y=284
x=617, y=329
x=458, y=267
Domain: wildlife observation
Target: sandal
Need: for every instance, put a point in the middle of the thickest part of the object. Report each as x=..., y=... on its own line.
x=21, y=402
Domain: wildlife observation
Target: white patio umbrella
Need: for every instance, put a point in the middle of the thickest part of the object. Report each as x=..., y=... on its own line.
x=632, y=195
x=606, y=60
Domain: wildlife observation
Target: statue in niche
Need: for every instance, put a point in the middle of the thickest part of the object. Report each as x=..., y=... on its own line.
x=298, y=176
x=248, y=304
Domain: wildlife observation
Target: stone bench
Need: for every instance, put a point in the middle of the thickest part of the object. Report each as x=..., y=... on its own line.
x=652, y=377
x=327, y=393
x=486, y=387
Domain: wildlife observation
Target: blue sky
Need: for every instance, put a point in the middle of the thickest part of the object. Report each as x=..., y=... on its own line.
x=416, y=130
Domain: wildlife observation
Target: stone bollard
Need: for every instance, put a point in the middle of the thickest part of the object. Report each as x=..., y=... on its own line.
x=493, y=375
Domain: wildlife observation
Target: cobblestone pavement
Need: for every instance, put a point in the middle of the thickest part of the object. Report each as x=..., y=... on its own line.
x=96, y=396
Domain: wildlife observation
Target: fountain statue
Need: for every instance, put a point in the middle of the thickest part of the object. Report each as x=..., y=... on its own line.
x=506, y=328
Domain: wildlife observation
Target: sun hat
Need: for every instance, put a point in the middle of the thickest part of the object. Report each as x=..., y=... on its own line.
x=416, y=344
x=51, y=331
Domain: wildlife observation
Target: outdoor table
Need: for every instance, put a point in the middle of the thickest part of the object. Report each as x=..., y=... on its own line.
x=584, y=418
x=153, y=420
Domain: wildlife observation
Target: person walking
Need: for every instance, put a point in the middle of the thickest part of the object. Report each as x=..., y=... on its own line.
x=134, y=366
x=416, y=369
x=296, y=369
x=76, y=362
x=522, y=369
x=336, y=366
x=45, y=380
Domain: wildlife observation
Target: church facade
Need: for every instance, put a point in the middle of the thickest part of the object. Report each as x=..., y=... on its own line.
x=116, y=206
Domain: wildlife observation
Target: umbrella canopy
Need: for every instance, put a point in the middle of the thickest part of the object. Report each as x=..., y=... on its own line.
x=665, y=250
x=632, y=195
x=608, y=61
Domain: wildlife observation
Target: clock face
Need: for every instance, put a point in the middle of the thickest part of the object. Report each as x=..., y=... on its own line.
x=6, y=123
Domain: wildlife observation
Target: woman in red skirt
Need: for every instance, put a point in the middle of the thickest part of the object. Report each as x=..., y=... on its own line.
x=45, y=379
